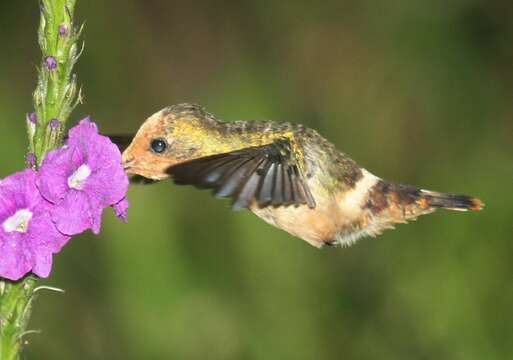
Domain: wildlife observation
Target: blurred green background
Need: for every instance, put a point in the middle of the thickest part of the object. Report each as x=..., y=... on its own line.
x=416, y=91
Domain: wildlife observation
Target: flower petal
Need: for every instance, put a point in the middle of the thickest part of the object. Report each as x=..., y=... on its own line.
x=18, y=191
x=52, y=178
x=83, y=131
x=42, y=264
x=107, y=185
x=73, y=214
x=14, y=263
x=43, y=234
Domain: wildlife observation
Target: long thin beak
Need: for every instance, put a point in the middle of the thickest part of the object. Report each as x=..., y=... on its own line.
x=127, y=164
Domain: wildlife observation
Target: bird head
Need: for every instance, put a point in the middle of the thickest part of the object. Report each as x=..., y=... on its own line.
x=171, y=136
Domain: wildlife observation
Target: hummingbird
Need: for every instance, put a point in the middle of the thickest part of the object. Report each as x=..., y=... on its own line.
x=286, y=174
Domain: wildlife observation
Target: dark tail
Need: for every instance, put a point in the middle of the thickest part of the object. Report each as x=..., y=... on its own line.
x=403, y=202
x=451, y=201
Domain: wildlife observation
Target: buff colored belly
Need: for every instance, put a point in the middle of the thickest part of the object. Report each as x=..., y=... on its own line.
x=334, y=218
x=316, y=226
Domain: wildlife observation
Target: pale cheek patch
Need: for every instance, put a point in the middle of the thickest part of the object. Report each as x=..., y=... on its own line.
x=353, y=201
x=139, y=156
x=153, y=127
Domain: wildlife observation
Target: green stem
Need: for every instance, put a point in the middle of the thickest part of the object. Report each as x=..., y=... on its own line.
x=15, y=308
x=55, y=97
x=56, y=93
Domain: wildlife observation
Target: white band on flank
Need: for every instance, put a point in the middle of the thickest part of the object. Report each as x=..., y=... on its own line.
x=353, y=201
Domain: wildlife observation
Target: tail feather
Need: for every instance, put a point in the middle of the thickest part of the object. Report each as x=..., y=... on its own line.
x=387, y=204
x=404, y=202
x=451, y=201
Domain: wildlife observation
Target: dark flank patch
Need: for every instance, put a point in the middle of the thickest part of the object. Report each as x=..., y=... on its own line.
x=378, y=197
x=404, y=194
x=385, y=194
x=354, y=174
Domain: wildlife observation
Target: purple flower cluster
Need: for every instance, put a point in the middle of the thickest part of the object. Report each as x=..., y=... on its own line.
x=40, y=211
x=28, y=237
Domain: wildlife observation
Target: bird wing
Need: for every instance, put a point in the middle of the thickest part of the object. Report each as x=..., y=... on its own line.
x=268, y=175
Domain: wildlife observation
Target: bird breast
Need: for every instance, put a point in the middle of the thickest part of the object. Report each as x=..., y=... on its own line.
x=335, y=217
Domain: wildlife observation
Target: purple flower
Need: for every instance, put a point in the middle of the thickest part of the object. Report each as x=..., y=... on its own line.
x=32, y=117
x=28, y=237
x=31, y=160
x=63, y=30
x=82, y=179
x=51, y=63
x=55, y=124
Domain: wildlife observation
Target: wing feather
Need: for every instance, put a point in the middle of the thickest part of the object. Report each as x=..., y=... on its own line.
x=265, y=194
x=267, y=175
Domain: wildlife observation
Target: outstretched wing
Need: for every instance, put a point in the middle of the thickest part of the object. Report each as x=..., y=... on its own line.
x=267, y=174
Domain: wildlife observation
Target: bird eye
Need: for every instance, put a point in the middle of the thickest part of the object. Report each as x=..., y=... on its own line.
x=158, y=145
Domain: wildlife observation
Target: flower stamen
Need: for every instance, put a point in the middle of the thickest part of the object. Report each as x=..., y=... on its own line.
x=18, y=222
x=78, y=178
